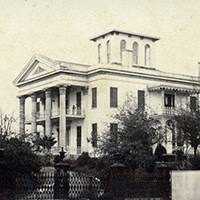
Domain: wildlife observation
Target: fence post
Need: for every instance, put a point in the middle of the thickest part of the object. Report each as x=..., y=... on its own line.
x=165, y=188
x=117, y=182
x=61, y=179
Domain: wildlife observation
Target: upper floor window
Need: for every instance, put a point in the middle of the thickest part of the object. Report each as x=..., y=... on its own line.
x=94, y=97
x=193, y=103
x=135, y=53
x=141, y=99
x=122, y=47
x=147, y=55
x=99, y=53
x=38, y=107
x=113, y=97
x=108, y=51
x=169, y=100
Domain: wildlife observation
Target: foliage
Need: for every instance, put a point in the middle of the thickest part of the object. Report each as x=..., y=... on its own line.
x=195, y=162
x=159, y=151
x=133, y=140
x=45, y=142
x=17, y=156
x=188, y=124
x=83, y=159
x=6, y=122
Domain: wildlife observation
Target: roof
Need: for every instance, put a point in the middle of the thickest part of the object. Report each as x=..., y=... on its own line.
x=174, y=88
x=116, y=31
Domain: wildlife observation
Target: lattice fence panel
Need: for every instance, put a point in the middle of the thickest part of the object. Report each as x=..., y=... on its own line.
x=83, y=186
x=40, y=186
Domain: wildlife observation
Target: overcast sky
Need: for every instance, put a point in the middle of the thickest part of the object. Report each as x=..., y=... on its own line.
x=61, y=29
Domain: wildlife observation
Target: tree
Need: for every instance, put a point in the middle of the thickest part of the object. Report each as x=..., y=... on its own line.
x=188, y=125
x=18, y=154
x=45, y=142
x=134, y=138
x=6, y=129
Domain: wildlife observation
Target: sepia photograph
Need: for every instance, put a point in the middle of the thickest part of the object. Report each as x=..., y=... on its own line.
x=99, y=100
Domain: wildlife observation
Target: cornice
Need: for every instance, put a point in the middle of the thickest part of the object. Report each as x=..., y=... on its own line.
x=144, y=75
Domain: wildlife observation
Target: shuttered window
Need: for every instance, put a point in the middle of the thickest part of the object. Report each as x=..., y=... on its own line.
x=113, y=97
x=78, y=140
x=193, y=103
x=114, y=131
x=141, y=99
x=94, y=97
x=94, y=135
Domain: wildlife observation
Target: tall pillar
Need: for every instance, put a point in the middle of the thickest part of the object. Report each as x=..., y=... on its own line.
x=163, y=102
x=48, y=113
x=22, y=115
x=62, y=121
x=33, y=114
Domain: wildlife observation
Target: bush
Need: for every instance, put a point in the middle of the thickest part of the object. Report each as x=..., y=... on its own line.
x=83, y=159
x=195, y=161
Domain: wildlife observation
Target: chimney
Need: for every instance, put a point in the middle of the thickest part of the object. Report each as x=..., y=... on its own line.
x=127, y=58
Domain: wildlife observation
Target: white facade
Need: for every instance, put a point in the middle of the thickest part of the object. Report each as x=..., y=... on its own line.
x=70, y=100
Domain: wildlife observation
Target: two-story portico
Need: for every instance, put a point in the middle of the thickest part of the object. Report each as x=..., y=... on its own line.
x=71, y=100
x=58, y=93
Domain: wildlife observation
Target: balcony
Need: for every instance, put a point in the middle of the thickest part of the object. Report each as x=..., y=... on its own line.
x=70, y=113
x=169, y=111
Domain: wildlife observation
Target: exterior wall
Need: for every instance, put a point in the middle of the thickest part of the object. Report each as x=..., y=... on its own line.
x=125, y=76
x=115, y=48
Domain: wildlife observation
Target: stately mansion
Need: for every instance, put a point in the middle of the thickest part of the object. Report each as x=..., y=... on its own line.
x=73, y=100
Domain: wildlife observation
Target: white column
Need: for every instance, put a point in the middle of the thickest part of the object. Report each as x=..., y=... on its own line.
x=48, y=113
x=162, y=101
x=22, y=115
x=62, y=121
x=33, y=114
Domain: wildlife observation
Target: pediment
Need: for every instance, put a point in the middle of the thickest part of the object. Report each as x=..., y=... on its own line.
x=37, y=67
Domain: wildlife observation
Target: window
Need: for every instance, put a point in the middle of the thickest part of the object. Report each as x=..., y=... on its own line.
x=113, y=97
x=94, y=135
x=94, y=97
x=78, y=103
x=122, y=47
x=114, y=131
x=147, y=59
x=78, y=140
x=193, y=103
x=99, y=53
x=141, y=99
x=135, y=53
x=169, y=100
x=38, y=107
x=108, y=52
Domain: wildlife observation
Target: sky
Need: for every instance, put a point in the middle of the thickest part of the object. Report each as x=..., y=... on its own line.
x=61, y=29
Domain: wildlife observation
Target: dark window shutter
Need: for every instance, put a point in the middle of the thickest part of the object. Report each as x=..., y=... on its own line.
x=114, y=131
x=193, y=103
x=94, y=135
x=113, y=97
x=78, y=136
x=141, y=99
x=94, y=97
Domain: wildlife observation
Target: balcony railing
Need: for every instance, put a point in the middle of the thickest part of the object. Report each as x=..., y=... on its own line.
x=169, y=111
x=72, y=112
